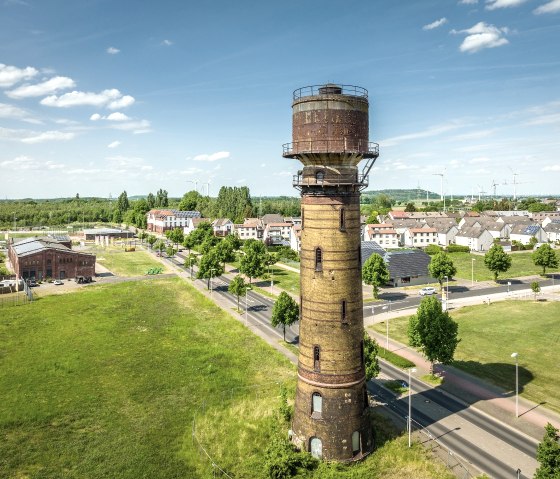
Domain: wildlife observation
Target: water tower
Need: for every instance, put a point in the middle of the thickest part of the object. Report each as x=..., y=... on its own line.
x=330, y=136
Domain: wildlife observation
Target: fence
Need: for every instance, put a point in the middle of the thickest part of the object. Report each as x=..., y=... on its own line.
x=16, y=299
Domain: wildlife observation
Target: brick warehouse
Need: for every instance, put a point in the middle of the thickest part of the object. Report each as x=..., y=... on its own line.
x=42, y=258
x=330, y=137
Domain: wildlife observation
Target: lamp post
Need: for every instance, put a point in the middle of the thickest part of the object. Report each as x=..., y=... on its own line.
x=271, y=271
x=211, y=275
x=190, y=264
x=247, y=289
x=387, y=342
x=410, y=370
x=515, y=355
x=472, y=271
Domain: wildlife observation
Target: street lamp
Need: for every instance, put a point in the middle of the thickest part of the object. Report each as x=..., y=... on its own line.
x=387, y=342
x=190, y=264
x=472, y=271
x=410, y=370
x=211, y=275
x=508, y=285
x=247, y=289
x=515, y=355
x=271, y=271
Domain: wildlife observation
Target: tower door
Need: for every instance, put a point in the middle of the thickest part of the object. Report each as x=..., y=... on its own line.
x=355, y=442
x=316, y=446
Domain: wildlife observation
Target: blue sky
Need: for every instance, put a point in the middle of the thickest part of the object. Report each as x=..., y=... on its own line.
x=97, y=96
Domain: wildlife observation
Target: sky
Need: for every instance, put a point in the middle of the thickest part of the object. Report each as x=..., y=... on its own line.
x=99, y=96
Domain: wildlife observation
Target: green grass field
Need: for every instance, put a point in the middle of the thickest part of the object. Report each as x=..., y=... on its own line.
x=120, y=263
x=106, y=383
x=490, y=334
x=521, y=265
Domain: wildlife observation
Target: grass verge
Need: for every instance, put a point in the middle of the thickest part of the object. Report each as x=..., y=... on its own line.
x=133, y=263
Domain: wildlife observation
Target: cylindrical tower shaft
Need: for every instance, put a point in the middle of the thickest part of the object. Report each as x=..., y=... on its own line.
x=330, y=137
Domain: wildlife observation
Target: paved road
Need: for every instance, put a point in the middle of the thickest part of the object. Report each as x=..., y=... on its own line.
x=489, y=445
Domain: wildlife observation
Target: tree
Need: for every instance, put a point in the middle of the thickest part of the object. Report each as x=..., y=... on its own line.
x=371, y=349
x=151, y=239
x=122, y=202
x=234, y=241
x=210, y=266
x=375, y=273
x=225, y=252
x=410, y=208
x=285, y=312
x=434, y=332
x=170, y=251
x=536, y=288
x=252, y=263
x=497, y=261
x=238, y=287
x=190, y=201
x=176, y=236
x=545, y=257
x=159, y=245
x=208, y=243
x=441, y=266
x=151, y=200
x=548, y=454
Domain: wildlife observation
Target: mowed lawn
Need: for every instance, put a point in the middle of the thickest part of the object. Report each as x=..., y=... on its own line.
x=521, y=265
x=121, y=263
x=490, y=334
x=111, y=382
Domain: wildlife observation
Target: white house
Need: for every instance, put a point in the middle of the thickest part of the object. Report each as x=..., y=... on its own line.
x=277, y=233
x=552, y=231
x=477, y=239
x=222, y=226
x=295, y=238
x=383, y=234
x=524, y=233
x=160, y=221
x=192, y=224
x=420, y=237
x=251, y=228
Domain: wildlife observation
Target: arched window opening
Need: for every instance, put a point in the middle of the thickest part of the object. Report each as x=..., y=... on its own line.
x=317, y=358
x=316, y=405
x=356, y=442
x=316, y=447
x=342, y=220
x=320, y=177
x=343, y=312
x=318, y=259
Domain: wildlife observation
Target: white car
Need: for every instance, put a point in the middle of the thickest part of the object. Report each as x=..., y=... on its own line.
x=427, y=291
x=58, y=282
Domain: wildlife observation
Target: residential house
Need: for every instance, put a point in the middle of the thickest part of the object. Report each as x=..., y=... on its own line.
x=192, y=224
x=550, y=218
x=383, y=234
x=252, y=228
x=271, y=218
x=552, y=231
x=295, y=238
x=477, y=239
x=222, y=226
x=277, y=234
x=523, y=233
x=160, y=221
x=420, y=237
x=446, y=232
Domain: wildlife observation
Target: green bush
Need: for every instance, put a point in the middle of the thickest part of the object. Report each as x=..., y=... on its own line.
x=283, y=461
x=432, y=249
x=455, y=248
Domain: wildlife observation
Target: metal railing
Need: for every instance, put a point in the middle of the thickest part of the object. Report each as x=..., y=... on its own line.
x=314, y=90
x=339, y=145
x=298, y=181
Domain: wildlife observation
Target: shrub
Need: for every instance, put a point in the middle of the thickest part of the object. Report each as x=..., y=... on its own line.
x=432, y=249
x=455, y=248
x=395, y=359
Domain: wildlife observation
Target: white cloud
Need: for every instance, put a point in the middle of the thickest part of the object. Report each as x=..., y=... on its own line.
x=49, y=136
x=109, y=98
x=10, y=111
x=114, y=144
x=219, y=155
x=480, y=159
x=10, y=75
x=20, y=163
x=468, y=2
x=551, y=168
x=437, y=23
x=482, y=35
x=167, y=43
x=432, y=131
x=95, y=117
x=44, y=88
x=551, y=7
x=117, y=116
x=474, y=135
x=140, y=126
x=112, y=50
x=545, y=119
x=494, y=4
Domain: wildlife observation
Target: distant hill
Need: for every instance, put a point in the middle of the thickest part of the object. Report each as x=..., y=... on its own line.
x=404, y=195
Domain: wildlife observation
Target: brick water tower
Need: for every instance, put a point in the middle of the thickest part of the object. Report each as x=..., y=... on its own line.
x=330, y=133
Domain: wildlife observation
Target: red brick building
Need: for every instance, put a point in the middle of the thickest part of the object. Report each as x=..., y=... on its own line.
x=42, y=258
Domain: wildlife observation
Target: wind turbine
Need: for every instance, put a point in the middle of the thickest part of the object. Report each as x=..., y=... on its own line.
x=480, y=191
x=195, y=184
x=515, y=183
x=494, y=184
x=442, y=198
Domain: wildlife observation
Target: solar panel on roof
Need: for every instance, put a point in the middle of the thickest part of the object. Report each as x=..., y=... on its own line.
x=532, y=229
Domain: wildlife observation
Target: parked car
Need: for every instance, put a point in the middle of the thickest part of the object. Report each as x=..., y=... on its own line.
x=427, y=291
x=58, y=282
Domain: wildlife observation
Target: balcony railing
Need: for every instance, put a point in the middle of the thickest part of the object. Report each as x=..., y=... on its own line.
x=314, y=90
x=298, y=181
x=341, y=145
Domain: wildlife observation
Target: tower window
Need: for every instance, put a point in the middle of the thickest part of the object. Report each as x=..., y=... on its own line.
x=343, y=314
x=316, y=405
x=316, y=447
x=318, y=259
x=319, y=177
x=355, y=442
x=302, y=217
x=342, y=219
x=316, y=358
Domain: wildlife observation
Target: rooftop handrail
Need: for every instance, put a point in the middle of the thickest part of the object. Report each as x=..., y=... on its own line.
x=340, y=145
x=314, y=90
